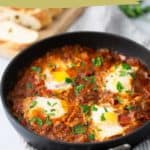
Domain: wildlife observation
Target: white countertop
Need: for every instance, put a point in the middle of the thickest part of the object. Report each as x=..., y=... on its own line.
x=95, y=18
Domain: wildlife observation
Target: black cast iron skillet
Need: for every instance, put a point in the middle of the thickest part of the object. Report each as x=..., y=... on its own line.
x=90, y=39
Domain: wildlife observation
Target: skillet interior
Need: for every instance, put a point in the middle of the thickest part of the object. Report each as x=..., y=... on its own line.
x=89, y=39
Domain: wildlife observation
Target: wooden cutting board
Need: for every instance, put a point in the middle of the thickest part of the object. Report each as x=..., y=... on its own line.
x=61, y=24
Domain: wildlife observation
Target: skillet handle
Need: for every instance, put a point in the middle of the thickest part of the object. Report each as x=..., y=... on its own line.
x=121, y=147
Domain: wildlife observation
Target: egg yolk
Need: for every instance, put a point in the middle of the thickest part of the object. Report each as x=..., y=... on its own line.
x=111, y=117
x=59, y=76
x=38, y=112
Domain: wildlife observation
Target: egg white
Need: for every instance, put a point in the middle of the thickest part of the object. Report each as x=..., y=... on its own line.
x=108, y=127
x=53, y=107
x=113, y=77
x=52, y=84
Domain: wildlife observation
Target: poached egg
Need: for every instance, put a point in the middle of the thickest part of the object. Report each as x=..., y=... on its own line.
x=42, y=107
x=119, y=79
x=105, y=122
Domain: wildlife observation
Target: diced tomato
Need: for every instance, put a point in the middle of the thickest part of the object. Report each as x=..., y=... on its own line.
x=124, y=119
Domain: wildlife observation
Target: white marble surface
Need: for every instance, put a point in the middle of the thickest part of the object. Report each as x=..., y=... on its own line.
x=97, y=19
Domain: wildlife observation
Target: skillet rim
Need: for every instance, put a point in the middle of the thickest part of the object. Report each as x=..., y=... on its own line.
x=31, y=47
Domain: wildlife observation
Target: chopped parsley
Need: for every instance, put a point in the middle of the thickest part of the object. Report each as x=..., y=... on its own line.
x=95, y=88
x=29, y=85
x=98, y=129
x=91, y=79
x=123, y=73
x=33, y=104
x=102, y=117
x=105, y=109
x=98, y=61
x=49, y=103
x=85, y=108
x=53, y=66
x=48, y=121
x=78, y=129
x=119, y=86
x=126, y=66
x=130, y=92
x=68, y=80
x=51, y=114
x=37, y=120
x=94, y=108
x=91, y=137
x=78, y=88
x=72, y=65
x=82, y=64
x=133, y=75
x=86, y=78
x=119, y=100
x=52, y=110
x=36, y=69
x=129, y=107
x=36, y=94
x=54, y=104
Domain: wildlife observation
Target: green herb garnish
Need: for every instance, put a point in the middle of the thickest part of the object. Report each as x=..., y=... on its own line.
x=78, y=129
x=68, y=80
x=37, y=120
x=52, y=110
x=78, y=88
x=49, y=103
x=130, y=92
x=105, y=109
x=126, y=66
x=91, y=136
x=119, y=86
x=98, y=61
x=82, y=64
x=85, y=108
x=119, y=100
x=86, y=78
x=134, y=11
x=133, y=75
x=123, y=73
x=53, y=66
x=102, y=117
x=33, y=104
x=98, y=129
x=94, y=108
x=48, y=121
x=36, y=69
x=91, y=79
x=51, y=114
x=72, y=65
x=95, y=88
x=129, y=107
x=54, y=104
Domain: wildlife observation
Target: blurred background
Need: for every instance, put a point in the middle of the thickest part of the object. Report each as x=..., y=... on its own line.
x=19, y=28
